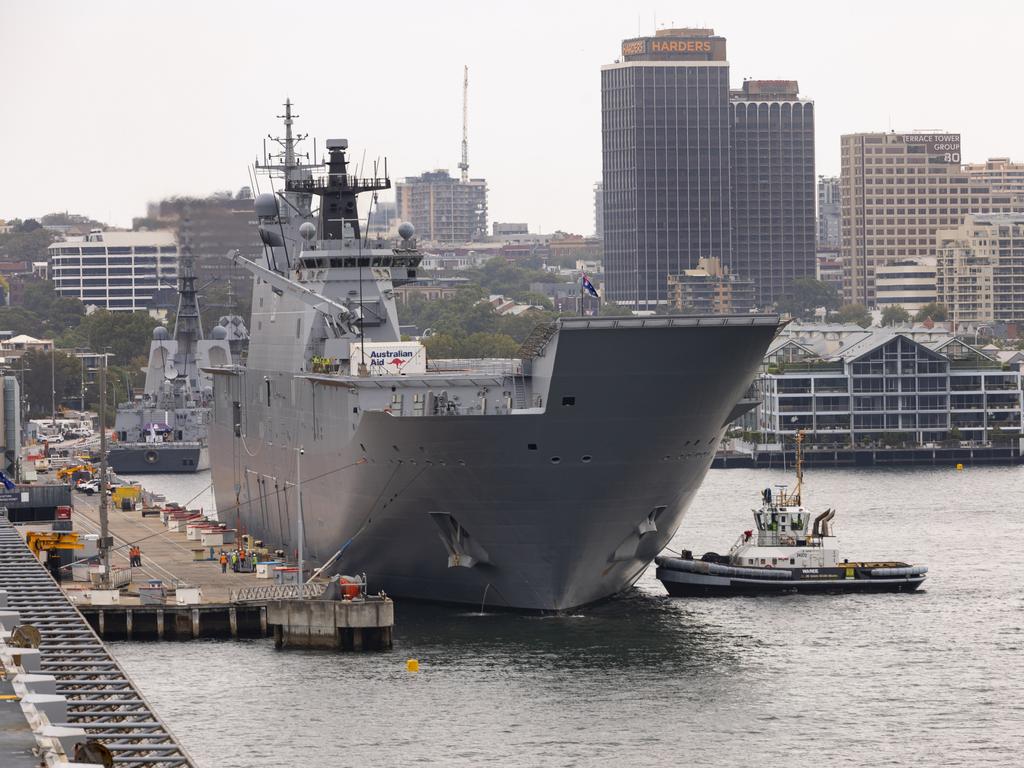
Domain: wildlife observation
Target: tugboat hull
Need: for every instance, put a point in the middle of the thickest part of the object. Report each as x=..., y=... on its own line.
x=695, y=578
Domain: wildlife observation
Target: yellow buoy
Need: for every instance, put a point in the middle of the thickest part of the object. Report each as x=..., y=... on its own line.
x=959, y=467
x=412, y=665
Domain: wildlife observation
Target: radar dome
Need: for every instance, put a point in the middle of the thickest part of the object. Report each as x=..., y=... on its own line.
x=265, y=205
x=406, y=230
x=219, y=333
x=160, y=333
x=307, y=230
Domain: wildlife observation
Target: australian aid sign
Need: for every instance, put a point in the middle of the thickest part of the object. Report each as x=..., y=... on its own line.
x=388, y=358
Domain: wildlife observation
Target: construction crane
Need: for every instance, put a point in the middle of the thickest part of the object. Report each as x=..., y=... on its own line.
x=464, y=165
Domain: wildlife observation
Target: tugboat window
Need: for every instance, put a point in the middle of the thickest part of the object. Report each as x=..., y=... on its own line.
x=568, y=401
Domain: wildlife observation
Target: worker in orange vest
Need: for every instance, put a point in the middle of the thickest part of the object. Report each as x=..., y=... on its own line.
x=223, y=562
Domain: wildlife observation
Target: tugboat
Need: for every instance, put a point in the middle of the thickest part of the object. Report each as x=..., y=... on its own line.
x=784, y=552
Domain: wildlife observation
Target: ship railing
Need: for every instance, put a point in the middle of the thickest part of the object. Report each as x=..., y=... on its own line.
x=488, y=366
x=144, y=444
x=277, y=592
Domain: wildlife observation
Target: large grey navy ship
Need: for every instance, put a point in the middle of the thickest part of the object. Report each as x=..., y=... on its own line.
x=542, y=482
x=165, y=429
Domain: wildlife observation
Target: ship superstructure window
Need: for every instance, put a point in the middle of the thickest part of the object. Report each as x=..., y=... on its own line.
x=568, y=401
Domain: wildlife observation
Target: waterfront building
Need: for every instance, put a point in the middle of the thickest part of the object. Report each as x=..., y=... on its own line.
x=710, y=288
x=773, y=186
x=119, y=271
x=442, y=208
x=829, y=214
x=1000, y=174
x=848, y=386
x=666, y=176
x=909, y=284
x=898, y=190
x=980, y=270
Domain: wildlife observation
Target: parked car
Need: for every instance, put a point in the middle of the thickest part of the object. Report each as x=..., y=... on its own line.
x=88, y=487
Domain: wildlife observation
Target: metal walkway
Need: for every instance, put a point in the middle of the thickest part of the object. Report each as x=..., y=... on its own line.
x=101, y=699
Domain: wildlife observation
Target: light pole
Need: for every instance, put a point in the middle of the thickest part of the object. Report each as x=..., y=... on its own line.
x=53, y=385
x=298, y=490
x=104, y=543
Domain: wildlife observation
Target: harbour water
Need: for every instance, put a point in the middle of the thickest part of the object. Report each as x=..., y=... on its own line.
x=931, y=678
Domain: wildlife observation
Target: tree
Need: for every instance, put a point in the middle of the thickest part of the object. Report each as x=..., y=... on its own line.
x=125, y=334
x=854, y=313
x=895, y=315
x=807, y=295
x=937, y=312
x=18, y=320
x=67, y=379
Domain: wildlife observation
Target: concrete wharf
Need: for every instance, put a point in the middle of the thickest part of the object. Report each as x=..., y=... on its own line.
x=232, y=604
x=70, y=688
x=166, y=555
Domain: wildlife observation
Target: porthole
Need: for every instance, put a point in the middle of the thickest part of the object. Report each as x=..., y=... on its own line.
x=556, y=459
x=586, y=459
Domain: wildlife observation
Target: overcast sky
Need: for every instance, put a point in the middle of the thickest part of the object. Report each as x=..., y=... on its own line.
x=109, y=105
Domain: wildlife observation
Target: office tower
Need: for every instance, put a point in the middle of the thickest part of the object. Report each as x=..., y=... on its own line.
x=119, y=271
x=665, y=131
x=829, y=198
x=772, y=186
x=897, y=190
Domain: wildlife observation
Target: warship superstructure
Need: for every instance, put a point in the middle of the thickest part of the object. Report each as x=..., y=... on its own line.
x=542, y=482
x=165, y=429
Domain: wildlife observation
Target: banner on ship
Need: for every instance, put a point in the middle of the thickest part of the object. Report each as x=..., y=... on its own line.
x=388, y=358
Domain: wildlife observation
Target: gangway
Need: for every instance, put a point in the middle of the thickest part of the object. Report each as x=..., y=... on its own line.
x=101, y=699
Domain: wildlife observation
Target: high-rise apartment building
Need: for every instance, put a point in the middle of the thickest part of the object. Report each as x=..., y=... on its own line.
x=119, y=271
x=999, y=173
x=443, y=209
x=897, y=190
x=829, y=216
x=772, y=186
x=665, y=134
x=980, y=275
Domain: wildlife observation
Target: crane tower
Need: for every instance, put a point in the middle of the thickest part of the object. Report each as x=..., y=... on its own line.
x=464, y=165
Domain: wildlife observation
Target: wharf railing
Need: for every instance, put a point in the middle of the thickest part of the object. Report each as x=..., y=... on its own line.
x=277, y=592
x=101, y=698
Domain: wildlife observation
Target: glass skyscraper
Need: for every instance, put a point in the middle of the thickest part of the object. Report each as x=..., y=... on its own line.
x=666, y=162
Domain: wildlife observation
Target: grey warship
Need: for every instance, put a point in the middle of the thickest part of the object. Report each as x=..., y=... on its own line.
x=543, y=482
x=165, y=429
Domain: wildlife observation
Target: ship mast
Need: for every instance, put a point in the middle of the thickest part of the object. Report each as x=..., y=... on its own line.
x=799, y=466
x=188, y=327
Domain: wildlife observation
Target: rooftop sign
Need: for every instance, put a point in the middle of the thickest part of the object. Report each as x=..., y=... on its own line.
x=945, y=147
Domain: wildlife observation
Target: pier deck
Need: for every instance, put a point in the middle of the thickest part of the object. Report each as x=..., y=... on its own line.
x=166, y=555
x=101, y=699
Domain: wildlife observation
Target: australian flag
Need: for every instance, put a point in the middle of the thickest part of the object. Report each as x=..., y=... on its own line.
x=589, y=286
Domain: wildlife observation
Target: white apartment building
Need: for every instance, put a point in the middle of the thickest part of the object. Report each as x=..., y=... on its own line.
x=909, y=284
x=119, y=271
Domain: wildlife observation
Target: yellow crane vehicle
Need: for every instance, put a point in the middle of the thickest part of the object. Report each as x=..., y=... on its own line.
x=73, y=473
x=51, y=542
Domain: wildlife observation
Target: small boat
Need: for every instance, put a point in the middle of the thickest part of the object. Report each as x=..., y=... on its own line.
x=786, y=551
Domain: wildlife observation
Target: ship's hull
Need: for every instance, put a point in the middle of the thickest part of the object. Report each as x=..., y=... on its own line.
x=549, y=509
x=157, y=458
